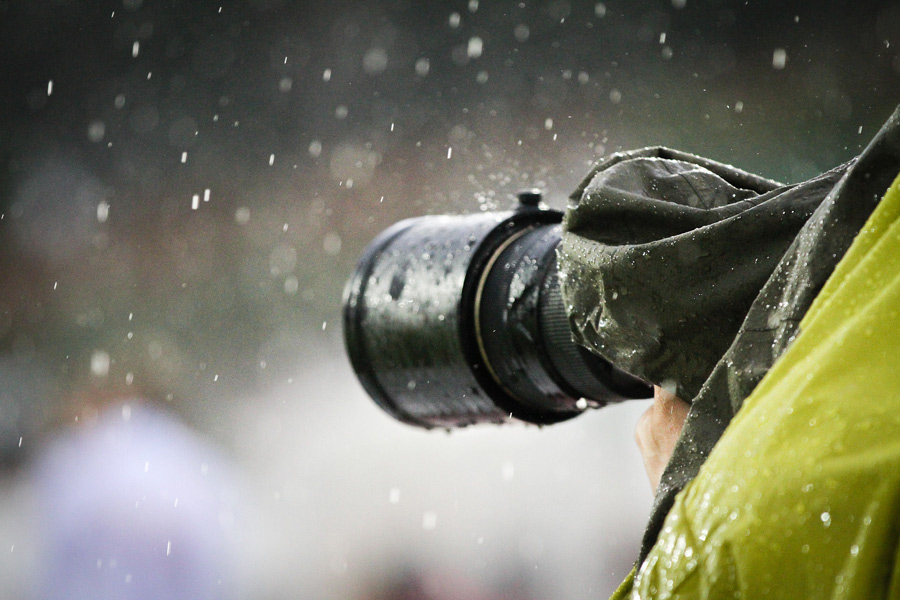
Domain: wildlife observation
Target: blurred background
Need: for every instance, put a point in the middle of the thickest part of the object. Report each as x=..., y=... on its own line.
x=185, y=188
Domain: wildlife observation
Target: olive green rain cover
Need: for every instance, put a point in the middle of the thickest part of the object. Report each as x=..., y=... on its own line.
x=694, y=275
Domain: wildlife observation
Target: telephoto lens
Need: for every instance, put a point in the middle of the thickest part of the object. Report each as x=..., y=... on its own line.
x=453, y=320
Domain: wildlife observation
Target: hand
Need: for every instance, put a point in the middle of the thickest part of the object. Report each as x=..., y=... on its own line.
x=658, y=430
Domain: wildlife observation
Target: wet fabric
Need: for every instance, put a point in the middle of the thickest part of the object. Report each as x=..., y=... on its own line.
x=695, y=275
x=801, y=497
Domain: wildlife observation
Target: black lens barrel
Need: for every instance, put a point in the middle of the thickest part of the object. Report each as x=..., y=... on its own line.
x=456, y=320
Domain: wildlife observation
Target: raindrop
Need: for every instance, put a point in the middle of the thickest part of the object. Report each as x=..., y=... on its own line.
x=119, y=102
x=508, y=472
x=429, y=521
x=522, y=32
x=474, y=47
x=206, y=195
x=615, y=96
x=548, y=124
x=285, y=84
x=779, y=58
x=473, y=5
x=341, y=112
x=394, y=496
x=422, y=67
x=679, y=3
x=102, y=211
x=271, y=159
x=454, y=20
x=50, y=87
x=242, y=215
x=96, y=131
x=326, y=75
x=600, y=10
x=183, y=157
x=100, y=362
x=135, y=49
x=315, y=148
x=375, y=61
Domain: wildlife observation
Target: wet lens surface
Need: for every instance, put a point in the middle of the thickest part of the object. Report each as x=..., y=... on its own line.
x=456, y=320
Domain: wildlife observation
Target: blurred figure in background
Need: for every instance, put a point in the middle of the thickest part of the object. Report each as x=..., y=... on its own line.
x=135, y=506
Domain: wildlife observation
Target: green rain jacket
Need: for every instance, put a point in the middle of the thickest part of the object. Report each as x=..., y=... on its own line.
x=717, y=284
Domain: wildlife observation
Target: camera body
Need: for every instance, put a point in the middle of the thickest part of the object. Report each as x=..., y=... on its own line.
x=454, y=320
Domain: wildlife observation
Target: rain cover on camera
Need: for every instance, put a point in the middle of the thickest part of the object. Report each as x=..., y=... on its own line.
x=694, y=275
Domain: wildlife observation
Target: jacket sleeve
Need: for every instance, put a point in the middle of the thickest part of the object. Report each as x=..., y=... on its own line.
x=708, y=298
x=801, y=496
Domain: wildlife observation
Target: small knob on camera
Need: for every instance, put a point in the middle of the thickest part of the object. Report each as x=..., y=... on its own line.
x=530, y=198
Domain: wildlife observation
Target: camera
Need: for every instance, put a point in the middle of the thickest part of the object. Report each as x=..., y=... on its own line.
x=453, y=320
